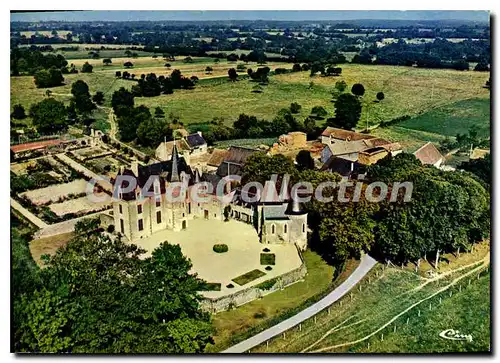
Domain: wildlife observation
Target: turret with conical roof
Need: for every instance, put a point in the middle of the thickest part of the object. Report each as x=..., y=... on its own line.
x=174, y=175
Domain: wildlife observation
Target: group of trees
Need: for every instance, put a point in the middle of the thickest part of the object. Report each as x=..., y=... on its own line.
x=154, y=300
x=438, y=54
x=448, y=211
x=45, y=78
x=50, y=116
x=247, y=126
x=150, y=85
x=29, y=61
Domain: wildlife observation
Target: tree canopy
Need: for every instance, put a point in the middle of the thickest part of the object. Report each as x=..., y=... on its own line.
x=69, y=310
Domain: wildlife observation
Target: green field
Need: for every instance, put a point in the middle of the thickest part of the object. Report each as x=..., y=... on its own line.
x=440, y=101
x=399, y=311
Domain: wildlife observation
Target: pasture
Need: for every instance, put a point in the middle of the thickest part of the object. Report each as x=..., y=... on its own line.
x=440, y=102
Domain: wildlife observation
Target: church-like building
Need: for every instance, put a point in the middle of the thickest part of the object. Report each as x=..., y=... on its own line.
x=276, y=220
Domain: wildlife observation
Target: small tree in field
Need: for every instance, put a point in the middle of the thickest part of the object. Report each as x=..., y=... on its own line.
x=18, y=113
x=128, y=64
x=87, y=68
x=233, y=75
x=380, y=96
x=107, y=61
x=295, y=107
x=318, y=112
x=358, y=89
x=209, y=70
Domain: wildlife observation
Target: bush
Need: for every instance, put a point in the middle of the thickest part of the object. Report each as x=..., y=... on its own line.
x=111, y=228
x=220, y=248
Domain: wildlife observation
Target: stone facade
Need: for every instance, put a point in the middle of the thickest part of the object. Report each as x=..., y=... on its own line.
x=135, y=217
x=215, y=305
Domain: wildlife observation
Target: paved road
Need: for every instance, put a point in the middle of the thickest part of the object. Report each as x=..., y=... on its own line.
x=364, y=267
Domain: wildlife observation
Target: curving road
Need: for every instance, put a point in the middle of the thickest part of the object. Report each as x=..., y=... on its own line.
x=364, y=267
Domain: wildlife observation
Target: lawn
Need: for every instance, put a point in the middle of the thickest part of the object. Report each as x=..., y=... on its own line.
x=234, y=325
x=248, y=277
x=397, y=310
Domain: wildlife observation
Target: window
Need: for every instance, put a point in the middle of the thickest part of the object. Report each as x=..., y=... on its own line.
x=183, y=214
x=139, y=208
x=272, y=229
x=120, y=208
x=158, y=217
x=122, y=227
x=303, y=227
x=141, y=226
x=284, y=228
x=158, y=202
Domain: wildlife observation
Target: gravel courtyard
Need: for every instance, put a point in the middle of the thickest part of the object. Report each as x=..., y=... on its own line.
x=243, y=256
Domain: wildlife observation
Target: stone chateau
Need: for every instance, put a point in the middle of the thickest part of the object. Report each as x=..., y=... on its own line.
x=276, y=220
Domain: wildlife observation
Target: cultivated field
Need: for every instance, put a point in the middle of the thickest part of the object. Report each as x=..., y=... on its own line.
x=78, y=206
x=55, y=192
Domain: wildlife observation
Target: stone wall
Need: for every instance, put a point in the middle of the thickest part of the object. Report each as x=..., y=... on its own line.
x=246, y=295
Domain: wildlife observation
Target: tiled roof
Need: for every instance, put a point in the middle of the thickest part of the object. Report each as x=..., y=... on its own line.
x=428, y=154
x=238, y=154
x=217, y=157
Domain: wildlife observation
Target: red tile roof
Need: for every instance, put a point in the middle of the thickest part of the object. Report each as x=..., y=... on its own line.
x=34, y=145
x=428, y=154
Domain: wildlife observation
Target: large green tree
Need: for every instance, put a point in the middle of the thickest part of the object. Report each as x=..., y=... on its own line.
x=152, y=131
x=49, y=116
x=347, y=111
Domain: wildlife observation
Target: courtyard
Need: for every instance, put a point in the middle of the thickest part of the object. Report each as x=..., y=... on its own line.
x=242, y=261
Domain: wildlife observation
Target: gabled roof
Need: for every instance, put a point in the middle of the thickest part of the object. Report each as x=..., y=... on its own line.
x=195, y=140
x=239, y=155
x=217, y=157
x=164, y=150
x=428, y=154
x=345, y=135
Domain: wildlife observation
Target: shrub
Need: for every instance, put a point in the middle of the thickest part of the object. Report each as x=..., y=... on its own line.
x=220, y=248
x=267, y=285
x=111, y=228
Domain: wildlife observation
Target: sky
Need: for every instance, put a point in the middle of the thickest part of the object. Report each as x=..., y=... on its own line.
x=118, y=15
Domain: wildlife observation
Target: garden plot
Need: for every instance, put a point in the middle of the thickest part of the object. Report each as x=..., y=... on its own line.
x=90, y=152
x=22, y=168
x=105, y=165
x=80, y=206
x=55, y=193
